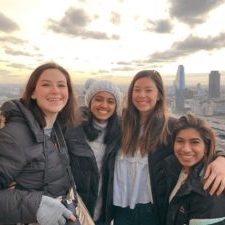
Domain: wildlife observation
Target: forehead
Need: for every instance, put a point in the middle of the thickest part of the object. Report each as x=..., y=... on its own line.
x=52, y=75
x=189, y=133
x=144, y=82
x=104, y=94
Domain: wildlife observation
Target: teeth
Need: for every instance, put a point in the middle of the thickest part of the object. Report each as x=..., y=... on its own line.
x=54, y=99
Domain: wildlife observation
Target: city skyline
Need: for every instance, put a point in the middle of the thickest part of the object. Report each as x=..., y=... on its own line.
x=111, y=39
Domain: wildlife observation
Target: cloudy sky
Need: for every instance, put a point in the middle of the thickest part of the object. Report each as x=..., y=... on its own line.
x=111, y=38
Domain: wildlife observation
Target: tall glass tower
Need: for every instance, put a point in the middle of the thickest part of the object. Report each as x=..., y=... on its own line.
x=180, y=89
x=180, y=78
x=214, y=84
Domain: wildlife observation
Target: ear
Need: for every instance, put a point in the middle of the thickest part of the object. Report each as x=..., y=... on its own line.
x=33, y=96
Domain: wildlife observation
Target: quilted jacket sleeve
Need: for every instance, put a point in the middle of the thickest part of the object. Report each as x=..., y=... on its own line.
x=16, y=205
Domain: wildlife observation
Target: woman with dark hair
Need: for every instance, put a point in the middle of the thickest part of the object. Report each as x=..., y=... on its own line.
x=93, y=146
x=31, y=156
x=194, y=145
x=139, y=179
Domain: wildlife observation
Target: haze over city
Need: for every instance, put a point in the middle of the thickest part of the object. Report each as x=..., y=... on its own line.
x=112, y=38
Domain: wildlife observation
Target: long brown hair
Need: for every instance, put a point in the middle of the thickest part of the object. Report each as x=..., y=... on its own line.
x=67, y=114
x=155, y=128
x=207, y=134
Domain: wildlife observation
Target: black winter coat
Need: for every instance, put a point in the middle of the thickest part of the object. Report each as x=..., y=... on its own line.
x=85, y=171
x=29, y=158
x=157, y=173
x=191, y=201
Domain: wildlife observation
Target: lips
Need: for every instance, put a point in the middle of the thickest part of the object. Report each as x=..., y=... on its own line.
x=142, y=103
x=103, y=112
x=54, y=99
x=186, y=157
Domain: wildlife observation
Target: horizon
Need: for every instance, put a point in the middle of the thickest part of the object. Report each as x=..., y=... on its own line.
x=190, y=80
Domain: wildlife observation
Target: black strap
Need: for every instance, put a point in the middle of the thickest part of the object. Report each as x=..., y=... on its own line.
x=59, y=137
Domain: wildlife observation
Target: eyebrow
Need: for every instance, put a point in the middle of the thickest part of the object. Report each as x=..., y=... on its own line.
x=197, y=138
x=99, y=96
x=59, y=81
x=136, y=86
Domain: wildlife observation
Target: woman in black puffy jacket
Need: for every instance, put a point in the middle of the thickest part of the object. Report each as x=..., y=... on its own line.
x=30, y=150
x=93, y=146
x=194, y=148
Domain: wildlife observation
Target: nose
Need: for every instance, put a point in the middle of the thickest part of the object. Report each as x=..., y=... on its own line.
x=55, y=89
x=142, y=94
x=104, y=104
x=186, y=147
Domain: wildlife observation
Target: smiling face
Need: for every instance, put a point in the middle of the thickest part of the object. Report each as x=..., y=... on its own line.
x=145, y=95
x=102, y=106
x=51, y=93
x=189, y=147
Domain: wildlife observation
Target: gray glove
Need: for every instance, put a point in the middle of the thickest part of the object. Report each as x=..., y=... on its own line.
x=52, y=212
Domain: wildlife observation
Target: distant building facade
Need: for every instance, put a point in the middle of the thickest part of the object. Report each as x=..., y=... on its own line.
x=214, y=84
x=180, y=89
x=180, y=78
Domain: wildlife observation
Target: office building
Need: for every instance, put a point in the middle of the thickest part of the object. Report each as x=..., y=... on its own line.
x=214, y=84
x=180, y=89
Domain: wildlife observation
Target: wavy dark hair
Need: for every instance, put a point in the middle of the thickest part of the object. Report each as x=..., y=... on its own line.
x=68, y=114
x=155, y=130
x=190, y=120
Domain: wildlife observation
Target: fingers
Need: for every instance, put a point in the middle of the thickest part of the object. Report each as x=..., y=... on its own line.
x=2, y=121
x=69, y=215
x=221, y=188
x=66, y=213
x=207, y=172
x=214, y=178
x=12, y=186
x=73, y=218
x=209, y=180
x=214, y=186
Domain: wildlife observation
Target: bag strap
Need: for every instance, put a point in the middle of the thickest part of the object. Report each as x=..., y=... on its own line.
x=59, y=137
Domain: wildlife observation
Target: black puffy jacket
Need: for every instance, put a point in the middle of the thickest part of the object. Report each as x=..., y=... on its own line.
x=85, y=171
x=29, y=158
x=191, y=201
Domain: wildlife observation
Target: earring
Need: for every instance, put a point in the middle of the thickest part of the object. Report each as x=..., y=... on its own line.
x=33, y=97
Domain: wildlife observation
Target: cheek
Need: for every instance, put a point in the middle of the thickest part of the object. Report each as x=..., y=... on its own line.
x=132, y=97
x=156, y=97
x=67, y=95
x=175, y=149
x=201, y=154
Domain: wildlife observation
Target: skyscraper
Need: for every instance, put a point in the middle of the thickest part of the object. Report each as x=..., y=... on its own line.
x=180, y=78
x=180, y=89
x=214, y=84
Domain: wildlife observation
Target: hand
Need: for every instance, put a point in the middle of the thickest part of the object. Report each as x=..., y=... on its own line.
x=215, y=176
x=2, y=121
x=12, y=185
x=52, y=212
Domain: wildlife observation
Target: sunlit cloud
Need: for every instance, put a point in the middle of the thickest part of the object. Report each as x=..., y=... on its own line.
x=192, y=11
x=159, y=26
x=7, y=24
x=12, y=40
x=75, y=23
